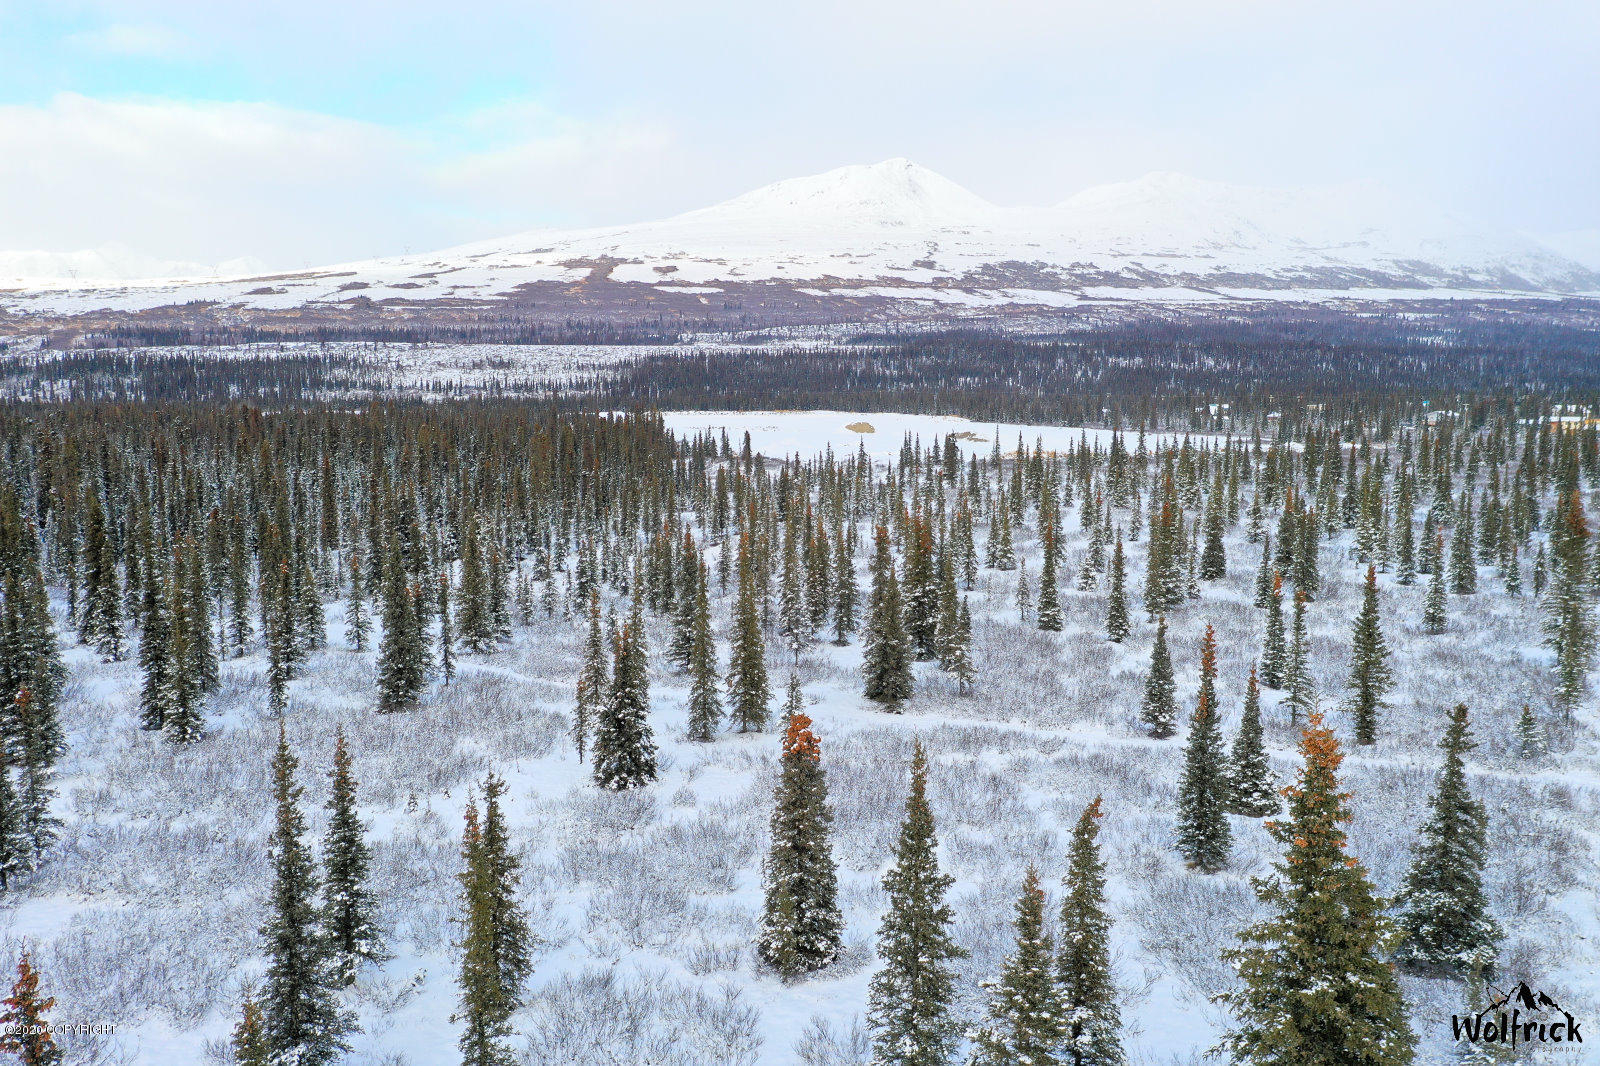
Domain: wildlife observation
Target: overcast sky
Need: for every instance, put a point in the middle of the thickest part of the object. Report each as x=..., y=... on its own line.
x=302, y=133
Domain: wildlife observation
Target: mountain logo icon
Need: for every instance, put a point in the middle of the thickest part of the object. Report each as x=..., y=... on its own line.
x=1520, y=1015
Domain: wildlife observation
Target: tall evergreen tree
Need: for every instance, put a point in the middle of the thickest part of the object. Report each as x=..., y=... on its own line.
x=749, y=690
x=1117, y=626
x=1252, y=791
x=1091, y=1018
x=349, y=922
x=1433, y=610
x=887, y=658
x=911, y=996
x=1159, y=710
x=357, y=623
x=1274, y=648
x=1316, y=988
x=624, y=746
x=705, y=708
x=15, y=848
x=801, y=925
x=1444, y=913
x=1203, y=793
x=1297, y=673
x=1370, y=676
x=496, y=943
x=302, y=1019
x=1024, y=1023
x=402, y=655
x=593, y=679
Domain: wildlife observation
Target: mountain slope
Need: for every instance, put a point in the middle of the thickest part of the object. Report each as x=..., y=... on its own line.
x=896, y=233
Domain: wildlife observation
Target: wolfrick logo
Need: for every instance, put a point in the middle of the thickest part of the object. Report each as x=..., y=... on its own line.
x=1520, y=1016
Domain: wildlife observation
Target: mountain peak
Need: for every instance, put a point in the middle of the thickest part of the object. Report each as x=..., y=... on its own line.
x=895, y=192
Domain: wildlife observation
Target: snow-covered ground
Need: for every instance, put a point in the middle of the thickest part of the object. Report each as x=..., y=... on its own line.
x=645, y=904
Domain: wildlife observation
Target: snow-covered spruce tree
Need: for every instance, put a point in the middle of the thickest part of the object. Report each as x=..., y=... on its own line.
x=302, y=1019
x=24, y=1030
x=155, y=651
x=1316, y=989
x=1091, y=1019
x=1025, y=1016
x=1252, y=789
x=1049, y=594
x=846, y=592
x=1531, y=743
x=955, y=655
x=794, y=618
x=593, y=679
x=749, y=691
x=801, y=926
x=1117, y=625
x=1274, y=647
x=911, y=995
x=402, y=655
x=474, y=616
x=249, y=1042
x=680, y=649
x=1444, y=914
x=357, y=622
x=349, y=922
x=1203, y=791
x=1433, y=604
x=1297, y=673
x=40, y=744
x=1370, y=676
x=624, y=746
x=1265, y=575
x=886, y=662
x=1569, y=629
x=15, y=851
x=495, y=943
x=100, y=625
x=1463, y=563
x=705, y=707
x=919, y=591
x=1159, y=710
x=1213, y=557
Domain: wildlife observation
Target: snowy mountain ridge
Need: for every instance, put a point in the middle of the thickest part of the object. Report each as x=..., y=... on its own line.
x=898, y=232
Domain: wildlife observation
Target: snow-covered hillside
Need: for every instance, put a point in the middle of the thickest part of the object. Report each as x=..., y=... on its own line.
x=900, y=232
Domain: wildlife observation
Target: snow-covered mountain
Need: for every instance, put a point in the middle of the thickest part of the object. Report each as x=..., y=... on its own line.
x=895, y=232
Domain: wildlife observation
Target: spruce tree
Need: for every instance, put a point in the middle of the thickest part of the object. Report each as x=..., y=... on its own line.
x=447, y=660
x=357, y=623
x=1024, y=1022
x=1117, y=626
x=1252, y=790
x=1570, y=626
x=1297, y=673
x=1317, y=990
x=1369, y=664
x=495, y=944
x=1274, y=649
x=101, y=624
x=155, y=655
x=1444, y=916
x=846, y=592
x=302, y=1019
x=15, y=849
x=887, y=658
x=1203, y=793
x=1049, y=595
x=749, y=690
x=801, y=925
x=349, y=922
x=40, y=744
x=593, y=679
x=1433, y=610
x=402, y=656
x=705, y=708
x=1091, y=1018
x=249, y=1041
x=1531, y=744
x=911, y=996
x=24, y=1030
x=1159, y=710
x=624, y=746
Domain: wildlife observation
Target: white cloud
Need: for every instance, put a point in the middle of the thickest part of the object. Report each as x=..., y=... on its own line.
x=126, y=39
x=210, y=181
